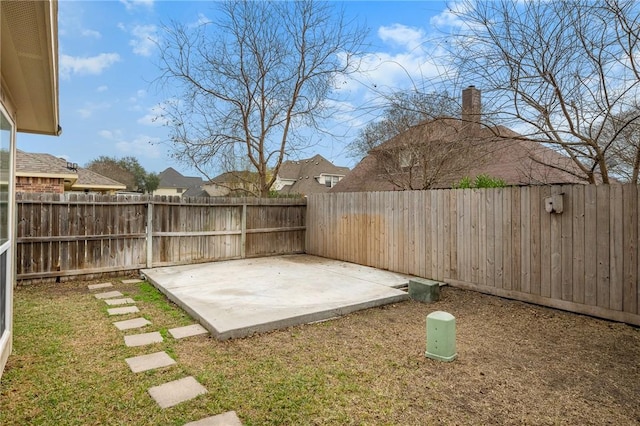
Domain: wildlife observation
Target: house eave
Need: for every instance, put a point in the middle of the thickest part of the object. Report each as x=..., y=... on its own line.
x=83, y=187
x=29, y=64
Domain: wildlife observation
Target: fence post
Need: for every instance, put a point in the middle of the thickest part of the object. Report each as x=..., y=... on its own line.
x=243, y=232
x=150, y=234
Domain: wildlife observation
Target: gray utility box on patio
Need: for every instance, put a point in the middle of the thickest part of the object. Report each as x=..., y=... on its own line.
x=424, y=290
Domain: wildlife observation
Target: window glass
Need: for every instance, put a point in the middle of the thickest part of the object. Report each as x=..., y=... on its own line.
x=5, y=169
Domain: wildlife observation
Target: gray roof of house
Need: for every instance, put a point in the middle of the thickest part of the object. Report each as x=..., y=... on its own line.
x=304, y=173
x=171, y=178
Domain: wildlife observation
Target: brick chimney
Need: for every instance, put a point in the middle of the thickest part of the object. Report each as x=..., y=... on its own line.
x=471, y=110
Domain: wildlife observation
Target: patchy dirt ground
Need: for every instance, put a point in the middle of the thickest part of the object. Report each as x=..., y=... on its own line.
x=517, y=364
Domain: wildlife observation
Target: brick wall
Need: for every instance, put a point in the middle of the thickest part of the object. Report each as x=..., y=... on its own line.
x=39, y=184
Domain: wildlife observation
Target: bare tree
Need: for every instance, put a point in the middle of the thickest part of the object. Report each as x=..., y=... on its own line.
x=404, y=110
x=251, y=82
x=624, y=160
x=428, y=154
x=416, y=143
x=558, y=71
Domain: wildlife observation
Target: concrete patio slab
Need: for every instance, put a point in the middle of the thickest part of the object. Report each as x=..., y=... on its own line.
x=115, y=302
x=142, y=339
x=149, y=362
x=230, y=418
x=99, y=286
x=108, y=295
x=173, y=393
x=131, y=324
x=187, y=331
x=134, y=281
x=240, y=297
x=123, y=311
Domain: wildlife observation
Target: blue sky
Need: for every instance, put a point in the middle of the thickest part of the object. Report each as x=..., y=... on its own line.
x=108, y=61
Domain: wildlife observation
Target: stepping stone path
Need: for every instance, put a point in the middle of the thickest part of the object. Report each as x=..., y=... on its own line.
x=132, y=323
x=125, y=301
x=149, y=362
x=167, y=394
x=173, y=393
x=99, y=286
x=230, y=418
x=187, y=331
x=108, y=295
x=123, y=311
x=143, y=339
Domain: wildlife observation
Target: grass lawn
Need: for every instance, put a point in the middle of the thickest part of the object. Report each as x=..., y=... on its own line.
x=518, y=364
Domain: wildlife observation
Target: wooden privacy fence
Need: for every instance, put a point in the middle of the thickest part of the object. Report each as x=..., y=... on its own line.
x=497, y=241
x=63, y=235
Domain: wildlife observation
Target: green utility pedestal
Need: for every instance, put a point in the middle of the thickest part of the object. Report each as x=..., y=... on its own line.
x=424, y=290
x=441, y=336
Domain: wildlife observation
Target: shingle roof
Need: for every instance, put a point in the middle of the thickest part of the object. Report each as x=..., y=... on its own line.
x=88, y=179
x=304, y=173
x=29, y=163
x=170, y=178
x=498, y=152
x=238, y=176
x=47, y=165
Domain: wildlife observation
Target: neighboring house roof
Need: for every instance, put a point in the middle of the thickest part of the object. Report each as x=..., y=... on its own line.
x=237, y=183
x=305, y=173
x=170, y=178
x=195, y=192
x=29, y=164
x=42, y=165
x=236, y=177
x=497, y=152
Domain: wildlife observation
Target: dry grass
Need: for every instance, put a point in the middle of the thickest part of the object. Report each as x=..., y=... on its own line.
x=518, y=364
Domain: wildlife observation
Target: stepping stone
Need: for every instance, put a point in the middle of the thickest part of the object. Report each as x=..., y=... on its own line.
x=149, y=362
x=173, y=393
x=122, y=311
x=230, y=418
x=99, y=286
x=142, y=339
x=108, y=295
x=125, y=301
x=131, y=281
x=187, y=331
x=132, y=323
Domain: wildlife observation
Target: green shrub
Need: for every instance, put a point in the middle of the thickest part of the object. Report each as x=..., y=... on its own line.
x=481, y=181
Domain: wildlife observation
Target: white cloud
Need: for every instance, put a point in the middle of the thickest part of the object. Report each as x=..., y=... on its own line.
x=202, y=20
x=402, y=36
x=145, y=39
x=89, y=65
x=89, y=108
x=102, y=88
x=142, y=146
x=132, y=4
x=153, y=117
x=411, y=58
x=90, y=33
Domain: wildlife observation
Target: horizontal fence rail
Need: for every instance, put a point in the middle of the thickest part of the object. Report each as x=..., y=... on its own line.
x=498, y=241
x=66, y=235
